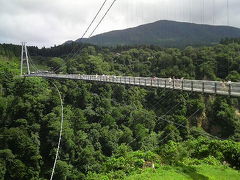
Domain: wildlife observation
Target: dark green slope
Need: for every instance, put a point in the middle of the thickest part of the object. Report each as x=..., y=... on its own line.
x=167, y=34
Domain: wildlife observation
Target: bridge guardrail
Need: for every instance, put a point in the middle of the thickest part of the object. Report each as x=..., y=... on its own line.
x=213, y=87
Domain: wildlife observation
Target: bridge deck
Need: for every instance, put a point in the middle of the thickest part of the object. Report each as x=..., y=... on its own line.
x=202, y=86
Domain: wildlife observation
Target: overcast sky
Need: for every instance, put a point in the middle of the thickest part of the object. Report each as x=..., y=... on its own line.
x=50, y=22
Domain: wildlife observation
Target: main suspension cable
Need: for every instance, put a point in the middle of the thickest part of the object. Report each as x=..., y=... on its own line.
x=102, y=18
x=95, y=17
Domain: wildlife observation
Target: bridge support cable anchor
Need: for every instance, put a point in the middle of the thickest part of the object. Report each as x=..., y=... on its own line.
x=229, y=89
x=182, y=85
x=203, y=87
x=215, y=88
x=192, y=86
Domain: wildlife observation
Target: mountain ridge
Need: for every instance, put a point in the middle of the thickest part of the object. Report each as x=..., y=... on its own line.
x=165, y=33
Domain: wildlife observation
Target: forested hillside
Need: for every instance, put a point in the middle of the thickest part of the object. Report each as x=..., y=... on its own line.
x=166, y=34
x=119, y=132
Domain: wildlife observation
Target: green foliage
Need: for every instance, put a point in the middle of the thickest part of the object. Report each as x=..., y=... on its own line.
x=56, y=64
x=131, y=161
x=172, y=152
x=208, y=160
x=228, y=151
x=110, y=131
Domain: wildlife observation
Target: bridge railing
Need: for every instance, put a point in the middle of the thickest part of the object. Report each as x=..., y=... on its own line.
x=203, y=86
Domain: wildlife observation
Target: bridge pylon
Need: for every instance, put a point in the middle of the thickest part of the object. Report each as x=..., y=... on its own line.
x=24, y=58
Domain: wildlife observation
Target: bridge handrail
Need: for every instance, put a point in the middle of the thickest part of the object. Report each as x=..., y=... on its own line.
x=204, y=86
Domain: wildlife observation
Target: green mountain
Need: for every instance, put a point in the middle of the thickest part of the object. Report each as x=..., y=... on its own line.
x=166, y=33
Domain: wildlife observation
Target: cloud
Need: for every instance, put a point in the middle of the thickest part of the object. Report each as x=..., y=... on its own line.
x=49, y=22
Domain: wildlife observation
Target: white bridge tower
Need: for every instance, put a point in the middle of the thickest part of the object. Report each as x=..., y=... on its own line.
x=24, y=58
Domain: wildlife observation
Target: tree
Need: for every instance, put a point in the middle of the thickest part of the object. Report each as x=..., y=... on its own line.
x=57, y=64
x=170, y=133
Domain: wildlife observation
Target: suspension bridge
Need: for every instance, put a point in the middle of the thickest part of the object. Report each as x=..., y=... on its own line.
x=200, y=86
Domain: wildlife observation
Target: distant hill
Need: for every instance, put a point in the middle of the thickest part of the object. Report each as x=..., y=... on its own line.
x=166, y=33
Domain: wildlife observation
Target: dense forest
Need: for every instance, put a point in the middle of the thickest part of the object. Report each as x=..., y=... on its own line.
x=119, y=132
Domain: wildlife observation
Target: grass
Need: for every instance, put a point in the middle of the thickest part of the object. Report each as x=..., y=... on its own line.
x=200, y=172
x=219, y=173
x=151, y=174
